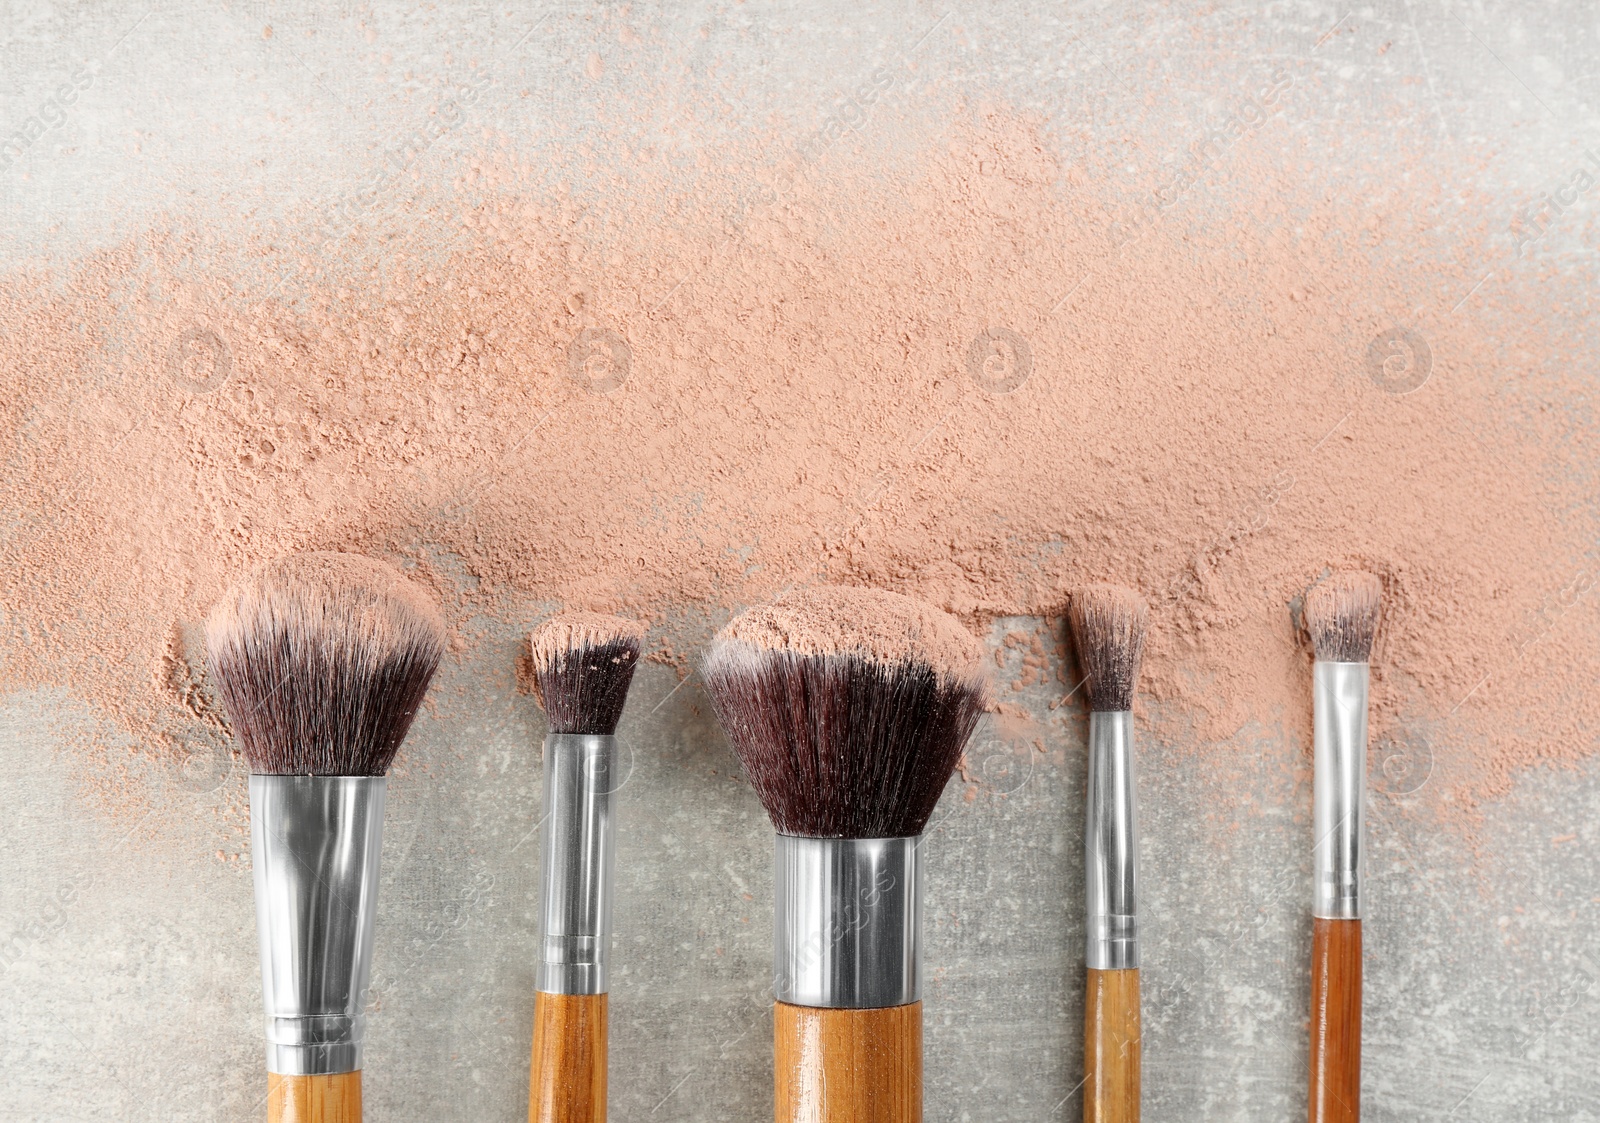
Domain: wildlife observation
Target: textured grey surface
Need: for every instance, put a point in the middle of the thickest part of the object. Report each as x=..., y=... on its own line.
x=128, y=978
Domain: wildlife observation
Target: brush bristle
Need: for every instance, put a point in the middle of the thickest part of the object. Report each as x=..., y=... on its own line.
x=322, y=661
x=1108, y=627
x=582, y=664
x=849, y=708
x=1342, y=616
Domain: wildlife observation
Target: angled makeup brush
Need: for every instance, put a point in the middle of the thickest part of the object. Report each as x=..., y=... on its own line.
x=321, y=661
x=1108, y=629
x=582, y=664
x=849, y=709
x=1341, y=615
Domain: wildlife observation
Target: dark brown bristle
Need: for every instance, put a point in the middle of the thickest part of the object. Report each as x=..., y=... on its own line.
x=583, y=664
x=1342, y=616
x=838, y=742
x=1108, y=626
x=322, y=661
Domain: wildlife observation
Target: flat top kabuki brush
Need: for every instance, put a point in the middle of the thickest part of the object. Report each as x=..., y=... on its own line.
x=1341, y=614
x=321, y=661
x=1108, y=628
x=583, y=663
x=849, y=709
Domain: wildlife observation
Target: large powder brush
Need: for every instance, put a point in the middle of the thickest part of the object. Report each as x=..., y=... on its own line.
x=322, y=661
x=849, y=709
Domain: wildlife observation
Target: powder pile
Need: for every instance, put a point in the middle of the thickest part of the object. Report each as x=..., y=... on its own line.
x=972, y=382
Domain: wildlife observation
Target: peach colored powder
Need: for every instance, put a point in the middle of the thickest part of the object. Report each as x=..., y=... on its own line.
x=332, y=599
x=875, y=623
x=564, y=632
x=965, y=382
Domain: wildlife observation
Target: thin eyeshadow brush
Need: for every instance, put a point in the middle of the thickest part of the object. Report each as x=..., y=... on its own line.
x=1341, y=615
x=321, y=661
x=849, y=709
x=583, y=663
x=1108, y=630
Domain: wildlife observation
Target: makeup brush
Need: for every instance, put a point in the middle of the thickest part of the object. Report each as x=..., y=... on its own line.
x=1108, y=628
x=582, y=663
x=321, y=661
x=849, y=709
x=1341, y=614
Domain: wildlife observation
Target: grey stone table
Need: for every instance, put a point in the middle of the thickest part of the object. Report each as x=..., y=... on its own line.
x=128, y=976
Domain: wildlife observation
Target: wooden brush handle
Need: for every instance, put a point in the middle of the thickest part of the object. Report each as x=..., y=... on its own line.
x=568, y=1084
x=1335, y=1021
x=1111, y=1047
x=314, y=1099
x=848, y=1066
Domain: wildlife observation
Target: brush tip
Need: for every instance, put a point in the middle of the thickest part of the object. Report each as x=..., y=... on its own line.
x=1108, y=625
x=1341, y=614
x=848, y=707
x=873, y=625
x=583, y=664
x=321, y=661
x=565, y=632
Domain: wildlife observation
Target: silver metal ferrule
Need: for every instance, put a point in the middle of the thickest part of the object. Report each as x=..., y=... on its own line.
x=1111, y=846
x=1339, y=786
x=575, y=905
x=315, y=843
x=847, y=925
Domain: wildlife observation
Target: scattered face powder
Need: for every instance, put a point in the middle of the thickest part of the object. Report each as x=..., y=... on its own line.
x=971, y=381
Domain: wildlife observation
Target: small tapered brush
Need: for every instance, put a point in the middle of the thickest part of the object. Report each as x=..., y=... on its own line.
x=1108, y=631
x=321, y=661
x=849, y=709
x=1341, y=615
x=583, y=663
